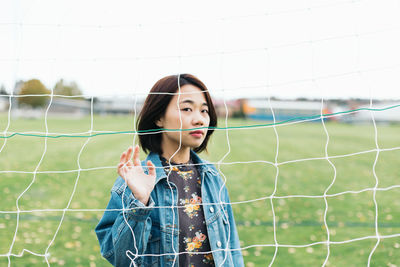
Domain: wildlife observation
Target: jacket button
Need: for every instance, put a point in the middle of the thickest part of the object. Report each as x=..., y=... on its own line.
x=211, y=209
x=219, y=244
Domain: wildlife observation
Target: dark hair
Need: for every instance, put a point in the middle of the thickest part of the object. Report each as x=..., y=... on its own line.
x=155, y=105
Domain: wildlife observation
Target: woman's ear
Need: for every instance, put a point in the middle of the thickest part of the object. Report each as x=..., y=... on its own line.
x=159, y=123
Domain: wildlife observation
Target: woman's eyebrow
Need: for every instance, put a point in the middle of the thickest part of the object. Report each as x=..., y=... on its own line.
x=192, y=102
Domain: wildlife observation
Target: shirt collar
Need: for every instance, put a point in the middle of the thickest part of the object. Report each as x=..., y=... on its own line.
x=203, y=166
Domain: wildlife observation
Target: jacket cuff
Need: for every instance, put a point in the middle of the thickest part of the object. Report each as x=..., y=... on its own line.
x=137, y=210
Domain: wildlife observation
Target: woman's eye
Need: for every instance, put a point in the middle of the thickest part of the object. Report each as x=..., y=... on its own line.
x=187, y=109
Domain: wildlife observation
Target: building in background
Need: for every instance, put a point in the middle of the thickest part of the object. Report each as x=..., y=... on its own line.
x=260, y=109
x=74, y=108
x=233, y=107
x=384, y=112
x=251, y=108
x=118, y=105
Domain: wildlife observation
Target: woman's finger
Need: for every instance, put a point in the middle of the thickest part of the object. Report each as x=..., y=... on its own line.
x=128, y=154
x=136, y=161
x=122, y=159
x=152, y=169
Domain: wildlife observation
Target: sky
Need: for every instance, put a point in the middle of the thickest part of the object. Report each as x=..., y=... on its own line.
x=288, y=49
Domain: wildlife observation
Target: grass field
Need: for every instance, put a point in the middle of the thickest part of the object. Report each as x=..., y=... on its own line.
x=299, y=220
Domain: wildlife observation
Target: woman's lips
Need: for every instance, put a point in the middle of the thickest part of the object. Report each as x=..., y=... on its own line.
x=197, y=133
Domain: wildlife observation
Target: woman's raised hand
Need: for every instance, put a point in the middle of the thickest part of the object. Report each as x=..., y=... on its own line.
x=141, y=184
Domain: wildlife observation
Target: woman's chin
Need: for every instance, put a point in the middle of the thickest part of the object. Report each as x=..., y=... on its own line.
x=197, y=145
x=192, y=144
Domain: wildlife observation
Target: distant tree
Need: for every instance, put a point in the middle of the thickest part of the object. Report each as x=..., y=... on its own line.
x=3, y=90
x=70, y=89
x=33, y=87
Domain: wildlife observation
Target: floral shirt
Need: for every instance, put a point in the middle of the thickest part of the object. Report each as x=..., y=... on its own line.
x=193, y=236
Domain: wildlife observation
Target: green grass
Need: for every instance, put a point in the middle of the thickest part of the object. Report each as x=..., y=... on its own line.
x=299, y=220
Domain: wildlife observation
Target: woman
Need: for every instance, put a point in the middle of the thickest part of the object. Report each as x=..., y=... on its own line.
x=171, y=209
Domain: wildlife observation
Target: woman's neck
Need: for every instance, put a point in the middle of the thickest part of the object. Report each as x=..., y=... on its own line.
x=181, y=157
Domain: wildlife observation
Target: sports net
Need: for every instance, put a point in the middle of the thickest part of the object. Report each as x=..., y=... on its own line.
x=306, y=190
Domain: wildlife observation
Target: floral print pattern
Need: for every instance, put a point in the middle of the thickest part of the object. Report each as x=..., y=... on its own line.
x=192, y=206
x=194, y=243
x=208, y=259
x=192, y=227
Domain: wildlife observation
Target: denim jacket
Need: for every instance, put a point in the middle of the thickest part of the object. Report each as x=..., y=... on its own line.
x=127, y=221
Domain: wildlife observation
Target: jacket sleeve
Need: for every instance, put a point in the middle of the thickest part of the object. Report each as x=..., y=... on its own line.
x=234, y=243
x=117, y=236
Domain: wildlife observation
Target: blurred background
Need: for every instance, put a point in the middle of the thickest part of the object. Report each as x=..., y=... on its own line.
x=308, y=102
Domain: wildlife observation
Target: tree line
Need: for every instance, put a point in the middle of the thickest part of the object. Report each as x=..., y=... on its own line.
x=38, y=95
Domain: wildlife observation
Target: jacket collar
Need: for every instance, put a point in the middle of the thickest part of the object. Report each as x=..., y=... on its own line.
x=203, y=166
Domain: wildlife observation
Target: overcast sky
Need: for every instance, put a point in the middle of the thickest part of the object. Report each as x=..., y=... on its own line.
x=313, y=48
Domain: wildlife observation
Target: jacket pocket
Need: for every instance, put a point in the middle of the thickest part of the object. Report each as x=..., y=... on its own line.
x=220, y=214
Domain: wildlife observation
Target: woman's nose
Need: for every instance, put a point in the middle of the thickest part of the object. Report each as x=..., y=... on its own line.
x=198, y=119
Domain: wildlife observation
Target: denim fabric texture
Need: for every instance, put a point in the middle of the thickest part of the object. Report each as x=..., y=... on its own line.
x=132, y=234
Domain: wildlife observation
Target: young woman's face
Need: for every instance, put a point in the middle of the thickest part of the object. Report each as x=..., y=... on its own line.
x=194, y=110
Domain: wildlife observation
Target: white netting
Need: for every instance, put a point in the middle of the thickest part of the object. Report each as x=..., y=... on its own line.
x=266, y=79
